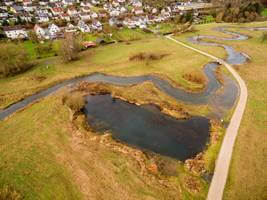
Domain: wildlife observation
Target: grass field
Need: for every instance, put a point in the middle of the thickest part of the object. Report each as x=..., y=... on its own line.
x=247, y=178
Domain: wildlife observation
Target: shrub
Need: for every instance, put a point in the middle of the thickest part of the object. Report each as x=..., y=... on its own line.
x=44, y=49
x=147, y=56
x=75, y=101
x=8, y=193
x=195, y=77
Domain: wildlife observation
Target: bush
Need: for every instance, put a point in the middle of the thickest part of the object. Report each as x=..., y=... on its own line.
x=8, y=193
x=45, y=49
x=14, y=59
x=147, y=56
x=195, y=77
x=75, y=101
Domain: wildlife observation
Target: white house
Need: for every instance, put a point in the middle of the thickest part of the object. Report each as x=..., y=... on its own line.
x=96, y=25
x=42, y=18
x=65, y=17
x=70, y=28
x=15, y=32
x=85, y=16
x=72, y=11
x=86, y=4
x=40, y=32
x=53, y=30
x=86, y=9
x=57, y=11
x=83, y=27
x=138, y=11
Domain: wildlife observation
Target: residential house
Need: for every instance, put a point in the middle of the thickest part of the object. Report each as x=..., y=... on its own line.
x=27, y=2
x=53, y=31
x=83, y=27
x=70, y=28
x=68, y=2
x=86, y=9
x=15, y=32
x=57, y=11
x=65, y=17
x=40, y=32
x=72, y=11
x=8, y=2
x=138, y=10
x=95, y=2
x=16, y=9
x=43, y=2
x=136, y=3
x=96, y=25
x=94, y=15
x=86, y=4
x=85, y=16
x=42, y=17
x=3, y=13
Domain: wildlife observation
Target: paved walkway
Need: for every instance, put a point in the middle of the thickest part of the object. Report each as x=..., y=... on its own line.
x=224, y=158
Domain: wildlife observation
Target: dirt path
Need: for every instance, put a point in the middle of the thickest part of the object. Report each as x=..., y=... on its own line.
x=224, y=158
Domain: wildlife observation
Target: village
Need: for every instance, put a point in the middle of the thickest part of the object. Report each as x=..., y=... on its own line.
x=50, y=19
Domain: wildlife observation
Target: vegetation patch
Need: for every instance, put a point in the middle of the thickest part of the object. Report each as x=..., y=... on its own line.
x=9, y=193
x=248, y=11
x=75, y=101
x=147, y=56
x=195, y=77
x=13, y=60
x=264, y=13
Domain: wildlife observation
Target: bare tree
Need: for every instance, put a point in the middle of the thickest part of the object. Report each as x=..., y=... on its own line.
x=70, y=47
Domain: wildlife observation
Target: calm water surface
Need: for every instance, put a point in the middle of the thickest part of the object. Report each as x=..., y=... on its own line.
x=147, y=128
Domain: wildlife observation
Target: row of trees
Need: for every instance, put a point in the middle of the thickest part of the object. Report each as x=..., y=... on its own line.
x=239, y=11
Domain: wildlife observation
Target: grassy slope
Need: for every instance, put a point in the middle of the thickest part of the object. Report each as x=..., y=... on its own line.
x=247, y=179
x=103, y=59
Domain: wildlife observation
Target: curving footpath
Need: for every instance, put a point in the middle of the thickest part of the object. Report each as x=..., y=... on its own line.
x=224, y=158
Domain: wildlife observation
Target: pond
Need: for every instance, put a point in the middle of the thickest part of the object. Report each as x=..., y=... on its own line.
x=146, y=127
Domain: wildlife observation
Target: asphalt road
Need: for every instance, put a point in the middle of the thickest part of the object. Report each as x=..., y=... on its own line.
x=224, y=158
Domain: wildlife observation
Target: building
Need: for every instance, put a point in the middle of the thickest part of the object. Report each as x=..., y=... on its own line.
x=15, y=32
